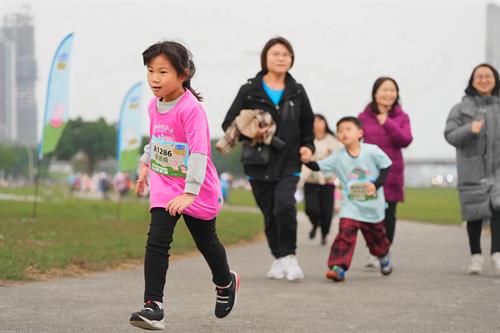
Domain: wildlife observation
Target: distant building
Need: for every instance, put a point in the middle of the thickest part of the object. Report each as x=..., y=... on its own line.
x=8, y=119
x=493, y=35
x=18, y=70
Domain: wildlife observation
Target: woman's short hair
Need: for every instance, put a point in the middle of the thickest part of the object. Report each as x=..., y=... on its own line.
x=270, y=43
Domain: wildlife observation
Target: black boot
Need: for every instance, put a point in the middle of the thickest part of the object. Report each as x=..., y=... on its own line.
x=312, y=233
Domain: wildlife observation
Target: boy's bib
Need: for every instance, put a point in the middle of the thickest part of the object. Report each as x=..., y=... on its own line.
x=358, y=192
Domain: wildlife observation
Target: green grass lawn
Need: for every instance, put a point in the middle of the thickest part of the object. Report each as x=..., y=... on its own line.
x=95, y=234
x=89, y=233
x=430, y=205
x=241, y=197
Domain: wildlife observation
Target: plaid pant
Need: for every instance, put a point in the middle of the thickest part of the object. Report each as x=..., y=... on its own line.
x=343, y=247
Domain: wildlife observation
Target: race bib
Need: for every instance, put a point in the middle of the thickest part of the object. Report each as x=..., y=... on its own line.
x=358, y=192
x=169, y=158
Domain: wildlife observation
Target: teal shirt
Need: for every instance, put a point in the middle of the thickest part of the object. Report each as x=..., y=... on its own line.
x=353, y=173
x=274, y=95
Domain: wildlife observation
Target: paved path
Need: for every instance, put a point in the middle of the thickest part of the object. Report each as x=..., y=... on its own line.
x=428, y=292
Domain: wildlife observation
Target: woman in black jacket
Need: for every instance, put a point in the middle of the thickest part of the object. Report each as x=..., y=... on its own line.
x=274, y=170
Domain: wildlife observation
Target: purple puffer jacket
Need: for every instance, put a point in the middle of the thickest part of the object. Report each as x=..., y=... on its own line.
x=391, y=137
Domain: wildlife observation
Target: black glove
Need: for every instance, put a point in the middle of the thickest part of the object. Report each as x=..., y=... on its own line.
x=313, y=166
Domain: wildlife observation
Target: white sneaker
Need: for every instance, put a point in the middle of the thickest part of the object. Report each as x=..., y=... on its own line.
x=495, y=261
x=372, y=262
x=278, y=268
x=475, y=264
x=293, y=270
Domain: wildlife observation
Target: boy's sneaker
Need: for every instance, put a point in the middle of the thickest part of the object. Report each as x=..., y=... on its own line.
x=226, y=297
x=149, y=318
x=385, y=265
x=278, y=269
x=475, y=264
x=372, y=262
x=336, y=273
x=495, y=261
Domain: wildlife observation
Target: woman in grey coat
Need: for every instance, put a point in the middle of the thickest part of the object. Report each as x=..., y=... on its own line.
x=473, y=128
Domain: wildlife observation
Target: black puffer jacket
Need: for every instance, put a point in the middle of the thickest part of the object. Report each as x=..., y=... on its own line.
x=294, y=119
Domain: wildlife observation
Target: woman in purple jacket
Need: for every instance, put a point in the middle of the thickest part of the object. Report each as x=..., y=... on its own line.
x=387, y=126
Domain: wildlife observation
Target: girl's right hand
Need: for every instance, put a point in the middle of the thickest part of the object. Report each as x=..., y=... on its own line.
x=142, y=181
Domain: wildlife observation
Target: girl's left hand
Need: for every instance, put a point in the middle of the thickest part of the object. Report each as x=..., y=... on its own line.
x=178, y=204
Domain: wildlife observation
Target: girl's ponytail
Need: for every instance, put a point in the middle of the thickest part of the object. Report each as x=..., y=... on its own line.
x=187, y=82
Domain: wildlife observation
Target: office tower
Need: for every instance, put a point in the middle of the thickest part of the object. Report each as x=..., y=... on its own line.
x=18, y=111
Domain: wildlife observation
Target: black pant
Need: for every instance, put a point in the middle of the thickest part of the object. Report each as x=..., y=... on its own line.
x=390, y=220
x=277, y=202
x=319, y=201
x=474, y=229
x=160, y=235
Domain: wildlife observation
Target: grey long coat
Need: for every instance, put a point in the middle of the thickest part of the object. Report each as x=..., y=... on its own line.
x=478, y=155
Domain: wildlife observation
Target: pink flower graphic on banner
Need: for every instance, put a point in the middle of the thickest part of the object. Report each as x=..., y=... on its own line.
x=57, y=115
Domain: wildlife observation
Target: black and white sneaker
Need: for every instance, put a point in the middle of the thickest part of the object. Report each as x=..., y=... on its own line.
x=149, y=318
x=226, y=297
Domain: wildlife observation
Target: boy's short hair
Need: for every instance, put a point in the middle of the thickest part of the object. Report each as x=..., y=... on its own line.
x=350, y=119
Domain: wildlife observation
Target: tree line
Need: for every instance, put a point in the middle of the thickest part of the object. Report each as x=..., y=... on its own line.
x=97, y=140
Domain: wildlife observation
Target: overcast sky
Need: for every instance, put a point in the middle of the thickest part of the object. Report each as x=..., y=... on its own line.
x=429, y=47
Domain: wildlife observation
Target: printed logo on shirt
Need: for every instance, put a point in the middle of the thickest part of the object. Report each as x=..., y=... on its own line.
x=169, y=158
x=162, y=130
x=357, y=185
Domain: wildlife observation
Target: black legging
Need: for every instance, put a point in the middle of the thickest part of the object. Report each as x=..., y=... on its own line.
x=160, y=236
x=390, y=220
x=474, y=229
x=319, y=200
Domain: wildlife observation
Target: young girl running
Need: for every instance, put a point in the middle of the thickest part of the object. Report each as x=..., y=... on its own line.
x=183, y=181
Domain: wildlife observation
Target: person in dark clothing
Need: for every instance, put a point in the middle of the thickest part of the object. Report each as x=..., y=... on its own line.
x=274, y=170
x=319, y=187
